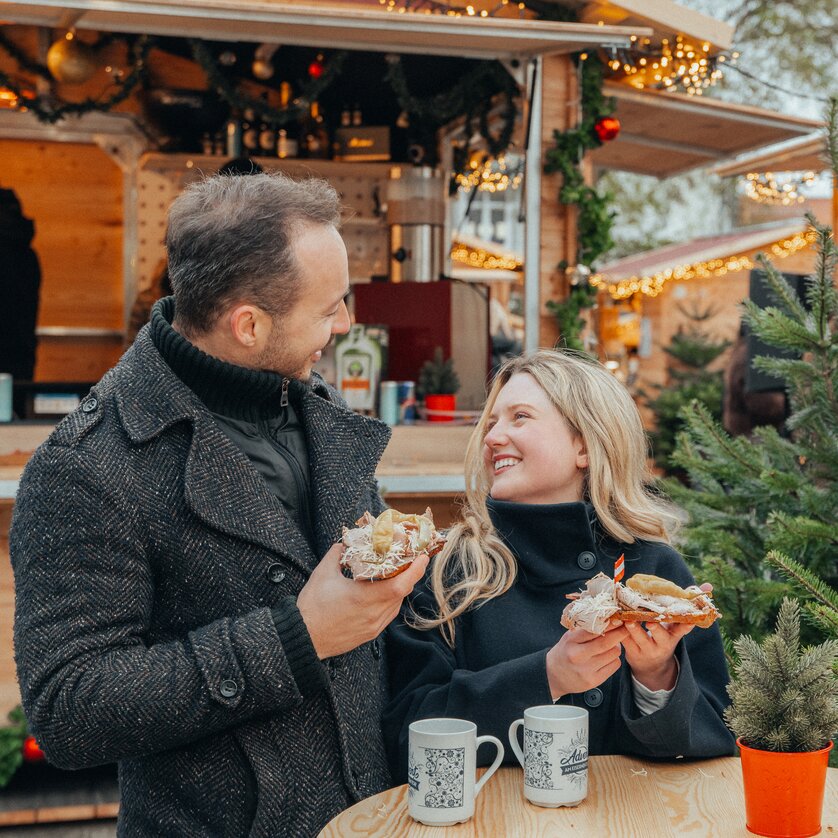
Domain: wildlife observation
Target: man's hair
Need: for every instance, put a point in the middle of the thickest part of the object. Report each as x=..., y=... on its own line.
x=232, y=238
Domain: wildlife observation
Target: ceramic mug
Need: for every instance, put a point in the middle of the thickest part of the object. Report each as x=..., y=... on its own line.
x=441, y=770
x=555, y=754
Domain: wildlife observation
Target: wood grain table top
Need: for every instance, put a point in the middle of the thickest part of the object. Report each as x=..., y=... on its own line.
x=627, y=797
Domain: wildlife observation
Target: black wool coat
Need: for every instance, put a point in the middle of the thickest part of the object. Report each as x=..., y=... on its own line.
x=497, y=667
x=148, y=555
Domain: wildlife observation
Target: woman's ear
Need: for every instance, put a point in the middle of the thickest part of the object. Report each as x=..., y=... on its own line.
x=581, y=455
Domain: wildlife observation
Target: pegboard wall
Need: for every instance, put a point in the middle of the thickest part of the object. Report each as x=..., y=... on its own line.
x=362, y=187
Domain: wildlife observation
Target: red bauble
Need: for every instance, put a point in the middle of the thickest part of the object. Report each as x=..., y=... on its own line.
x=606, y=128
x=315, y=69
x=31, y=750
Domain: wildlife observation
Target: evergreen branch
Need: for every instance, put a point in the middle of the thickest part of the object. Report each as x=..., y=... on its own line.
x=804, y=580
x=780, y=290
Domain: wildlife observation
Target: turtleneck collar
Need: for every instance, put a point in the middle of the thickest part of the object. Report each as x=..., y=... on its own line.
x=540, y=535
x=226, y=389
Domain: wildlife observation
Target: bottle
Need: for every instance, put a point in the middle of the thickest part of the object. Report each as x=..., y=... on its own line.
x=286, y=142
x=250, y=133
x=345, y=117
x=357, y=118
x=315, y=139
x=233, y=136
x=358, y=362
x=267, y=134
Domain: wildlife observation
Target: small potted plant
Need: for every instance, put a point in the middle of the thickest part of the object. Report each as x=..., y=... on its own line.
x=784, y=713
x=438, y=384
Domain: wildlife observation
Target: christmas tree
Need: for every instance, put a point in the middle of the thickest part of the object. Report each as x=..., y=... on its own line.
x=692, y=350
x=756, y=505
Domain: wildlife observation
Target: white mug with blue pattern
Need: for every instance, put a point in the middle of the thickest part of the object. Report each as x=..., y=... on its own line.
x=555, y=754
x=441, y=770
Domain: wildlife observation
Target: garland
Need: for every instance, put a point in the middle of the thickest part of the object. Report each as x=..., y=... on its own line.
x=50, y=109
x=595, y=218
x=226, y=88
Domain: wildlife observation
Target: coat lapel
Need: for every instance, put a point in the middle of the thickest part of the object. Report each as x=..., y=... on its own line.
x=344, y=450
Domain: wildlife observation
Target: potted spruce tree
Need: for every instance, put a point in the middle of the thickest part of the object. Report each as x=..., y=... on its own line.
x=438, y=385
x=784, y=713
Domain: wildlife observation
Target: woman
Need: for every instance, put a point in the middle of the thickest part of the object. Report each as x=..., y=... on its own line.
x=556, y=490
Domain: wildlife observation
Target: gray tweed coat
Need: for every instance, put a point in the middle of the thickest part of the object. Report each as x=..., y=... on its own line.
x=141, y=543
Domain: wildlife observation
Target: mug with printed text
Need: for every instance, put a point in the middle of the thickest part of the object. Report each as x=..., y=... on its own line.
x=555, y=754
x=441, y=770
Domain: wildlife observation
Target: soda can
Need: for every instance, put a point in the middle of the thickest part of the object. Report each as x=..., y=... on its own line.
x=407, y=402
x=388, y=403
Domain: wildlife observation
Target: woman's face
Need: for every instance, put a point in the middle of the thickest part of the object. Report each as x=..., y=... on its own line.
x=530, y=453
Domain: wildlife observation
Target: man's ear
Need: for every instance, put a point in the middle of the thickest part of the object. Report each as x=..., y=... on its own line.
x=249, y=326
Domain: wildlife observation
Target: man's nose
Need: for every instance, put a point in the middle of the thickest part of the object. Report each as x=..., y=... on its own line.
x=342, y=321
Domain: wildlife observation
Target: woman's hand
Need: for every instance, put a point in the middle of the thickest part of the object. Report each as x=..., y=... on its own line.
x=581, y=660
x=650, y=652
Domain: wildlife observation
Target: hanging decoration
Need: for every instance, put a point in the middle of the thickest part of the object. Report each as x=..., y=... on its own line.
x=262, y=66
x=652, y=284
x=479, y=257
x=49, y=107
x=316, y=68
x=70, y=60
x=607, y=128
x=595, y=217
x=674, y=64
x=767, y=188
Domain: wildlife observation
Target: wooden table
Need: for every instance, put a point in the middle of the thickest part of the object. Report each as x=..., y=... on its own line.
x=626, y=797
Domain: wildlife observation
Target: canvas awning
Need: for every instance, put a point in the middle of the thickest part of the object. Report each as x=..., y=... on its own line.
x=666, y=133
x=323, y=24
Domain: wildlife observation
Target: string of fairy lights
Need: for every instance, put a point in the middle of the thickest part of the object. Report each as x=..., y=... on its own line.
x=768, y=188
x=652, y=284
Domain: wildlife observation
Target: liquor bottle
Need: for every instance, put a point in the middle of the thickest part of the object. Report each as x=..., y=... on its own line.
x=233, y=136
x=267, y=134
x=345, y=117
x=357, y=118
x=358, y=362
x=250, y=133
x=314, y=138
x=286, y=142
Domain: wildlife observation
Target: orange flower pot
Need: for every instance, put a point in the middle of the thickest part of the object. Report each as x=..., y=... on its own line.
x=783, y=791
x=441, y=402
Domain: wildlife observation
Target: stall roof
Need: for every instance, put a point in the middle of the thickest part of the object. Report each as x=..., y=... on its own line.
x=667, y=133
x=335, y=25
x=805, y=154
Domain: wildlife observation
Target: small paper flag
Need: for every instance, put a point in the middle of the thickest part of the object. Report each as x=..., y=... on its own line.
x=620, y=568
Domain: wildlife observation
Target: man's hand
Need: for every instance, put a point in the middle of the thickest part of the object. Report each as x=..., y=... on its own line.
x=341, y=614
x=581, y=660
x=650, y=652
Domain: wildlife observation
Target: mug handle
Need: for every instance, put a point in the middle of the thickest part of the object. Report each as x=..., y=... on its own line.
x=494, y=766
x=513, y=740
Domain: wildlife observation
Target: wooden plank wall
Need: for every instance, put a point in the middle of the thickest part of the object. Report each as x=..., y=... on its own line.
x=73, y=193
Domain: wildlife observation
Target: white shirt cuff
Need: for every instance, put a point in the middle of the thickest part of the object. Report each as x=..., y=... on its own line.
x=648, y=701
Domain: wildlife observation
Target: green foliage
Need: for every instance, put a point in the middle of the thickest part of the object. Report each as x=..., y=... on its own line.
x=595, y=216
x=11, y=744
x=748, y=497
x=437, y=376
x=692, y=350
x=784, y=698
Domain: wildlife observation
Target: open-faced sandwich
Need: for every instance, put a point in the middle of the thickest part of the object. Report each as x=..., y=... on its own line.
x=382, y=547
x=643, y=598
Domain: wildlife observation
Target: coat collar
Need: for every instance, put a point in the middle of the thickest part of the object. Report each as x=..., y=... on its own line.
x=222, y=487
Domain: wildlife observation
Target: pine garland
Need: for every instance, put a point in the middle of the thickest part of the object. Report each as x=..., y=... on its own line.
x=12, y=737
x=784, y=697
x=595, y=216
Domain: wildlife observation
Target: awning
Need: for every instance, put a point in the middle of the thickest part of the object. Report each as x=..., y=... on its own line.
x=666, y=133
x=701, y=258
x=807, y=154
x=333, y=25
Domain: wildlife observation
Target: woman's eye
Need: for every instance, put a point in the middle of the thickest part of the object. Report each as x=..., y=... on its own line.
x=520, y=415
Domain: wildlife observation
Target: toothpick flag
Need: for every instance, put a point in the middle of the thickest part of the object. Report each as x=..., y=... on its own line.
x=620, y=568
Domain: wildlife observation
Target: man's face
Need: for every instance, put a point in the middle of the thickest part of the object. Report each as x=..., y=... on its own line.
x=297, y=338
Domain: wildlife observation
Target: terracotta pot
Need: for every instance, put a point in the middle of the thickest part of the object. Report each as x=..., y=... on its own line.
x=441, y=401
x=783, y=791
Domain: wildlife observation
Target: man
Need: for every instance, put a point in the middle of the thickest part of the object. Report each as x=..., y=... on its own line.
x=171, y=610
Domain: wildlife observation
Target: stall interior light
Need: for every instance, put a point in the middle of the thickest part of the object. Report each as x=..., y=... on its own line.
x=673, y=64
x=478, y=257
x=436, y=7
x=767, y=188
x=492, y=174
x=652, y=284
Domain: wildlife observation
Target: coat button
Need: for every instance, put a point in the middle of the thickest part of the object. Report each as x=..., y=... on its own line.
x=593, y=698
x=275, y=573
x=586, y=560
x=228, y=688
x=376, y=649
x=89, y=405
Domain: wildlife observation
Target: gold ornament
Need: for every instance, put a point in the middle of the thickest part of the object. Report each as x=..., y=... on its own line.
x=70, y=61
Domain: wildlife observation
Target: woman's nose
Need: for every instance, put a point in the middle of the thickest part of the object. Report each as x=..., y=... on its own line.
x=496, y=436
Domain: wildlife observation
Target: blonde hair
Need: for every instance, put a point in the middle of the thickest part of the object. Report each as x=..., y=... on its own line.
x=476, y=565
